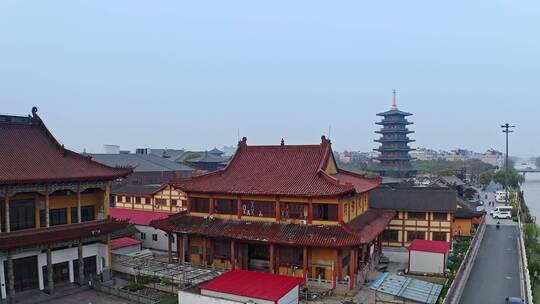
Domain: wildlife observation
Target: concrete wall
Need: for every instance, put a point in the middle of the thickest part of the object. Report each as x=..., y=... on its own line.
x=233, y=298
x=160, y=244
x=128, y=250
x=192, y=298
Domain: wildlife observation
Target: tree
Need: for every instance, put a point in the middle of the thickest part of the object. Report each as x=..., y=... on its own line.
x=514, y=178
x=485, y=178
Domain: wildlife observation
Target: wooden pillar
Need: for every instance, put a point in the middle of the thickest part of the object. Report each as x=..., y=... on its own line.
x=188, y=248
x=11, y=276
x=310, y=210
x=151, y=202
x=169, y=246
x=132, y=198
x=233, y=255
x=276, y=249
x=340, y=212
x=79, y=219
x=180, y=248
x=272, y=259
x=352, y=269
x=211, y=205
x=204, y=259
x=278, y=209
x=211, y=253
x=81, y=262
x=335, y=264
x=6, y=209
x=170, y=198
x=305, y=269
x=238, y=208
x=50, y=281
x=107, y=199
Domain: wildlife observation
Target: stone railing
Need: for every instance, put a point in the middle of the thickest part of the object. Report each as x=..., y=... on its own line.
x=456, y=289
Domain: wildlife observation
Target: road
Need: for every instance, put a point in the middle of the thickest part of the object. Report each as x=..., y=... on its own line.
x=496, y=271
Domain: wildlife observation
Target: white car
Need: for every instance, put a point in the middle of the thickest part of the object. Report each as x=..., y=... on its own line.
x=502, y=215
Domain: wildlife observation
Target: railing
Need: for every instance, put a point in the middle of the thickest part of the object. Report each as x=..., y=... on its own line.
x=124, y=294
x=524, y=264
x=456, y=289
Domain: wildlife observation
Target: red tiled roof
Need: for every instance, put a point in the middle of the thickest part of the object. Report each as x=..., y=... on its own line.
x=291, y=170
x=252, y=284
x=361, y=230
x=30, y=154
x=429, y=246
x=360, y=182
x=42, y=236
x=124, y=242
x=137, y=217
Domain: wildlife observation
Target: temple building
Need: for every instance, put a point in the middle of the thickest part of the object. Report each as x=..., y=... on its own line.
x=285, y=209
x=54, y=216
x=394, y=159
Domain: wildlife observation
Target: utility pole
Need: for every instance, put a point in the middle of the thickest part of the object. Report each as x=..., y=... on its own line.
x=506, y=129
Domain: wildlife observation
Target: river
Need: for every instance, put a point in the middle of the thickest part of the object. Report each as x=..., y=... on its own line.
x=531, y=193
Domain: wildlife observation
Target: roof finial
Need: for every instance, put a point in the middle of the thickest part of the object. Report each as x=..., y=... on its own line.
x=282, y=142
x=34, y=111
x=394, y=105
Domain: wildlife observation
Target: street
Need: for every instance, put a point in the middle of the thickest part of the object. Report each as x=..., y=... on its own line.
x=495, y=274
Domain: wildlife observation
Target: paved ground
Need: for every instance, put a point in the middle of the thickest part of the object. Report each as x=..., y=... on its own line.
x=495, y=274
x=89, y=296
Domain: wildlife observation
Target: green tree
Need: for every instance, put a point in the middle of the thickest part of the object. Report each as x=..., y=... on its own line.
x=515, y=179
x=485, y=178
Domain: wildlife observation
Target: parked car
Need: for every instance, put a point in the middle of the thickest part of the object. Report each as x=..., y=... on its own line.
x=502, y=215
x=501, y=209
x=514, y=300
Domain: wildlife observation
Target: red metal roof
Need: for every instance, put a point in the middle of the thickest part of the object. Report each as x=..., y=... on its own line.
x=429, y=246
x=124, y=242
x=361, y=230
x=30, y=154
x=42, y=236
x=252, y=284
x=137, y=217
x=291, y=170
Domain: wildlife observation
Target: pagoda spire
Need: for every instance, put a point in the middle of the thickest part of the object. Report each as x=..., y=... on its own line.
x=394, y=105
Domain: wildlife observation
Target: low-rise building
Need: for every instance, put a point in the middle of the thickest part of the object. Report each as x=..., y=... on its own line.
x=422, y=213
x=163, y=198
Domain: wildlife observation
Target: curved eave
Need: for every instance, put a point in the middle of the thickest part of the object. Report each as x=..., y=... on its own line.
x=394, y=131
x=394, y=113
x=393, y=122
x=393, y=140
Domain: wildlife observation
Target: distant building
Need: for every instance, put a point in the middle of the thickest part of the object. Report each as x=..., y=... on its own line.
x=206, y=161
x=147, y=168
x=424, y=154
x=165, y=198
x=493, y=157
x=394, y=159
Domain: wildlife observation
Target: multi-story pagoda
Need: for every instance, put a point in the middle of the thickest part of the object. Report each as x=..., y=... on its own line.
x=394, y=159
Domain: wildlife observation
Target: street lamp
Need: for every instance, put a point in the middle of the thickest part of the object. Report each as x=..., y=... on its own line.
x=506, y=129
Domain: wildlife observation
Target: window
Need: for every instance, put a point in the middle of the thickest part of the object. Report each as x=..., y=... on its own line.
x=138, y=200
x=290, y=256
x=143, y=236
x=21, y=215
x=200, y=204
x=87, y=214
x=413, y=235
x=391, y=235
x=294, y=210
x=222, y=249
x=173, y=202
x=56, y=217
x=416, y=215
x=147, y=200
x=259, y=208
x=439, y=216
x=126, y=199
x=154, y=237
x=439, y=236
x=196, y=250
x=325, y=212
x=225, y=206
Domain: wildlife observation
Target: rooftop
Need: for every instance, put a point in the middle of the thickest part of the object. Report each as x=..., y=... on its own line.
x=429, y=246
x=29, y=153
x=135, y=189
x=421, y=199
x=292, y=170
x=407, y=288
x=124, y=242
x=139, y=162
x=252, y=284
x=137, y=217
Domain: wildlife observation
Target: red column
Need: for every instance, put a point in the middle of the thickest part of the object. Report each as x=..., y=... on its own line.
x=278, y=209
x=204, y=252
x=340, y=212
x=352, y=268
x=169, y=247
x=211, y=206
x=233, y=255
x=305, y=264
x=335, y=269
x=277, y=260
x=188, y=205
x=310, y=211
x=238, y=208
x=272, y=259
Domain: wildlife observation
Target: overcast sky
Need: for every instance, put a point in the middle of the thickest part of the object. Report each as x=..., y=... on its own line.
x=189, y=74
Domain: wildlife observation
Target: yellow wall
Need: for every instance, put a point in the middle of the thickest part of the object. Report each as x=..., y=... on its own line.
x=462, y=227
x=428, y=225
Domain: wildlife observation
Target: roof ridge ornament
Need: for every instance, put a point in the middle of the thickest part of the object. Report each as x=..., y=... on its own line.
x=394, y=105
x=34, y=110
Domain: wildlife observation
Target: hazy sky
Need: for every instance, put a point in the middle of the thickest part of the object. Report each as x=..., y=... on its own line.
x=189, y=74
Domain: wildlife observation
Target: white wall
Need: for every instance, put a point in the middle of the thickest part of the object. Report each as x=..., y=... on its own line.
x=291, y=297
x=58, y=256
x=160, y=244
x=128, y=249
x=232, y=297
x=426, y=262
x=192, y=298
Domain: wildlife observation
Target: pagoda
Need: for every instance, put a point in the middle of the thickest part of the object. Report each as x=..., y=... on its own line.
x=394, y=159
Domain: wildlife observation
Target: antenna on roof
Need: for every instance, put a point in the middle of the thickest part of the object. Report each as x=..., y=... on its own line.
x=394, y=105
